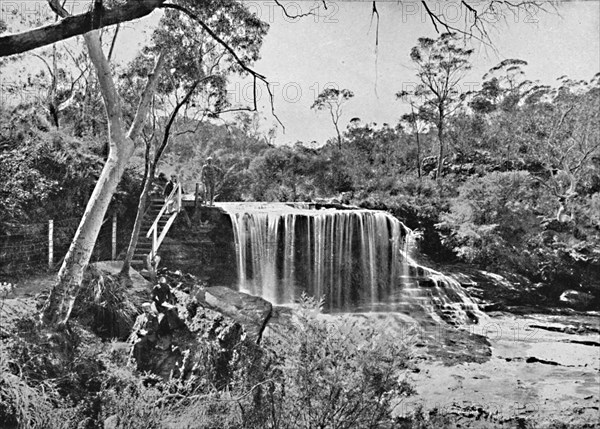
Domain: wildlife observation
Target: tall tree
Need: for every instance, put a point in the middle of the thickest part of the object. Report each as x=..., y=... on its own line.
x=57, y=309
x=416, y=123
x=332, y=99
x=441, y=65
x=503, y=87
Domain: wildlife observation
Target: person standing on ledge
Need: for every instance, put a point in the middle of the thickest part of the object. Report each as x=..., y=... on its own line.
x=167, y=193
x=209, y=179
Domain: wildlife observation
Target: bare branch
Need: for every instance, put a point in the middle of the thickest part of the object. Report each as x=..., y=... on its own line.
x=114, y=40
x=165, y=141
x=287, y=14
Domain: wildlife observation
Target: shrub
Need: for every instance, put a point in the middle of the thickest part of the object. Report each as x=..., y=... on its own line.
x=323, y=373
x=105, y=305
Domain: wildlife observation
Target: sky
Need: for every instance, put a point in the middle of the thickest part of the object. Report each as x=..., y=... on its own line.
x=337, y=47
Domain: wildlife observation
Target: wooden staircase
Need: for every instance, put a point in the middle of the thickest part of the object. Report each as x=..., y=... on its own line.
x=144, y=244
x=155, y=225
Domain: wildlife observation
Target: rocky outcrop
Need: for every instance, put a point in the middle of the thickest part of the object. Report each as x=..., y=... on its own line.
x=250, y=311
x=181, y=332
x=516, y=294
x=493, y=292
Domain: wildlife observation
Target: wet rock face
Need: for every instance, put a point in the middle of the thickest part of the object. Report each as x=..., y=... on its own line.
x=180, y=332
x=514, y=293
x=576, y=299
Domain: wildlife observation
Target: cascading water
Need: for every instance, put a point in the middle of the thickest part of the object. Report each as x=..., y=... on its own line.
x=358, y=260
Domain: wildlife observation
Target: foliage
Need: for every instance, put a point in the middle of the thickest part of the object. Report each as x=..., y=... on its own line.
x=47, y=172
x=313, y=371
x=104, y=303
x=44, y=170
x=491, y=215
x=503, y=87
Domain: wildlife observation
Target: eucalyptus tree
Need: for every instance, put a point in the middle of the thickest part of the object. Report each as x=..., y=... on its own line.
x=332, y=100
x=441, y=65
x=563, y=129
x=418, y=125
x=503, y=87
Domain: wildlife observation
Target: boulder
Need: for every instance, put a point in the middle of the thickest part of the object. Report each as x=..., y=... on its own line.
x=180, y=333
x=576, y=299
x=251, y=312
x=178, y=338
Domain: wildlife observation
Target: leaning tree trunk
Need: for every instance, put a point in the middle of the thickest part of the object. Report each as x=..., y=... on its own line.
x=58, y=306
x=139, y=217
x=62, y=297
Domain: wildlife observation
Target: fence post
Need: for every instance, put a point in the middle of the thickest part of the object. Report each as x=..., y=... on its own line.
x=114, y=237
x=196, y=194
x=51, y=243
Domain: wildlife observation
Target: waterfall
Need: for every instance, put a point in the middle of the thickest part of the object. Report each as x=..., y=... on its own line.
x=358, y=260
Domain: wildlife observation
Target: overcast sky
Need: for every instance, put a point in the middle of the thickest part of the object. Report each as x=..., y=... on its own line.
x=337, y=46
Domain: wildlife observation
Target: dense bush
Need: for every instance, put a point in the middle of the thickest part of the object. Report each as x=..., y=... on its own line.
x=312, y=372
x=46, y=172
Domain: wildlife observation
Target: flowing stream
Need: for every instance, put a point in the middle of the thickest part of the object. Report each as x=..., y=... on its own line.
x=357, y=260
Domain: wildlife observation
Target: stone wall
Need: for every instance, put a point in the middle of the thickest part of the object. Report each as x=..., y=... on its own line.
x=201, y=242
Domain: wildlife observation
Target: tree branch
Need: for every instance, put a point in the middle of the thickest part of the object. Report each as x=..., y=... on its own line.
x=76, y=25
x=232, y=52
x=160, y=150
x=287, y=14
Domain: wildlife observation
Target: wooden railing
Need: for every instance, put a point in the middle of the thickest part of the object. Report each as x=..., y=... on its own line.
x=173, y=203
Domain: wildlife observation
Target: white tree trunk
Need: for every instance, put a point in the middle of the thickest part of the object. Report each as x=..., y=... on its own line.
x=59, y=304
